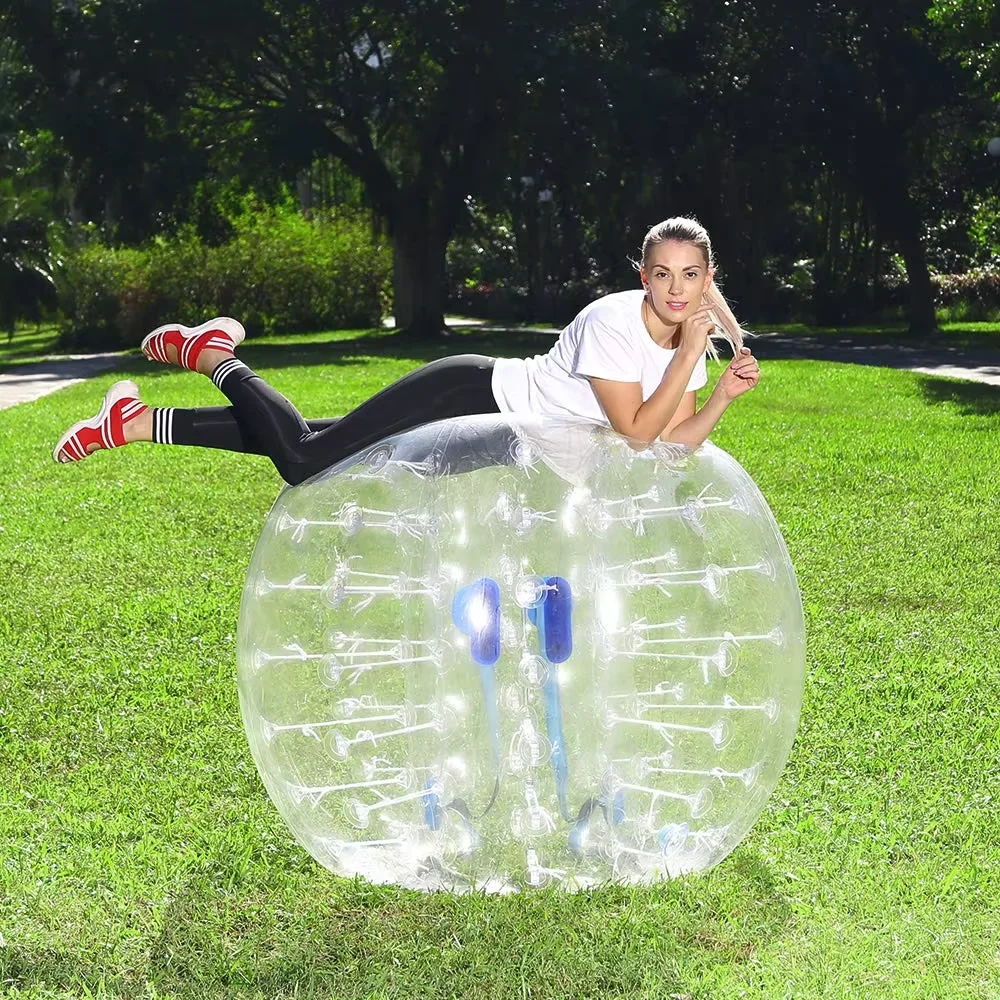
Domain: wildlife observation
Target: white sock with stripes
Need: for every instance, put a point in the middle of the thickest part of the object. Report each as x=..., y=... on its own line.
x=226, y=368
x=163, y=424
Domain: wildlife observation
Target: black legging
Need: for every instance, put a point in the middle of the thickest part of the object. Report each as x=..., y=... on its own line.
x=263, y=422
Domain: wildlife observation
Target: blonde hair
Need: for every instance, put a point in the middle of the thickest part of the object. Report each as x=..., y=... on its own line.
x=686, y=230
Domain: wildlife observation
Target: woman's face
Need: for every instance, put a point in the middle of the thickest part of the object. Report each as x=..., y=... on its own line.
x=676, y=276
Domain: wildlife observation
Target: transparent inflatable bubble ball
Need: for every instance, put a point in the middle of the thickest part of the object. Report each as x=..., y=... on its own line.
x=493, y=653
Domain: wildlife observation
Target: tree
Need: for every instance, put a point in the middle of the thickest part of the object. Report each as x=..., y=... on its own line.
x=416, y=97
x=26, y=259
x=838, y=107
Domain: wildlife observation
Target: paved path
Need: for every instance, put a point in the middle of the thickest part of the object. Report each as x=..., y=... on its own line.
x=930, y=357
x=933, y=357
x=27, y=382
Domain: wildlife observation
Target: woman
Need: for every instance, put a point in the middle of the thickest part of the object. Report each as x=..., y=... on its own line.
x=632, y=360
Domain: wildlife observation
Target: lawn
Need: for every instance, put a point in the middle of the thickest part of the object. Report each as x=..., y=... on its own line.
x=29, y=343
x=140, y=856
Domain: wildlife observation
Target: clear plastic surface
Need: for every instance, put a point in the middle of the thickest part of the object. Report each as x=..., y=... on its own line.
x=495, y=653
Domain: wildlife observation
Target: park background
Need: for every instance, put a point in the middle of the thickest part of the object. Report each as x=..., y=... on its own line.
x=315, y=168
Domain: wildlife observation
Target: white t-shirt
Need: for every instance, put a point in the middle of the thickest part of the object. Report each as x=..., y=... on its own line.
x=607, y=339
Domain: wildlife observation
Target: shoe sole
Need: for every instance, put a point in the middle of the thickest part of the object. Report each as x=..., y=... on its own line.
x=232, y=328
x=120, y=390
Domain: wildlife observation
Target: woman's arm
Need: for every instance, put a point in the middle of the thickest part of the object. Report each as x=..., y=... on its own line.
x=645, y=421
x=740, y=376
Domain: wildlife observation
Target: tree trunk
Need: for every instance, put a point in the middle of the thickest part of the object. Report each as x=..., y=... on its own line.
x=418, y=273
x=898, y=217
x=920, y=291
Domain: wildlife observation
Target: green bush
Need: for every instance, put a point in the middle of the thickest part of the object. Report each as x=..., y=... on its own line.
x=280, y=273
x=974, y=295
x=971, y=296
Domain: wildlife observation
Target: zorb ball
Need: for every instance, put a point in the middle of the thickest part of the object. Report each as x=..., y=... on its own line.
x=494, y=653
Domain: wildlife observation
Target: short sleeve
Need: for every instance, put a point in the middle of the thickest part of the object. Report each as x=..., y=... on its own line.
x=699, y=376
x=604, y=352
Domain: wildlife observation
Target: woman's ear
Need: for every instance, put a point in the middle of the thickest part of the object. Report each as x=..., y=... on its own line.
x=708, y=284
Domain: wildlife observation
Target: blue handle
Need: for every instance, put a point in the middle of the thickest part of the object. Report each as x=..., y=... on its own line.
x=475, y=610
x=554, y=620
x=432, y=807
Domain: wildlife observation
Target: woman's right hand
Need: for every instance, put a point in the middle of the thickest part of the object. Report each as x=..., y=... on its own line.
x=695, y=331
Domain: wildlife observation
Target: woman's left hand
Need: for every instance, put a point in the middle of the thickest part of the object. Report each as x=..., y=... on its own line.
x=741, y=375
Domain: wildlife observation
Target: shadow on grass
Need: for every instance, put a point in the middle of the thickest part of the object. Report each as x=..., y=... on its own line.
x=30, y=344
x=11, y=358
x=359, y=940
x=21, y=970
x=370, y=941
x=972, y=398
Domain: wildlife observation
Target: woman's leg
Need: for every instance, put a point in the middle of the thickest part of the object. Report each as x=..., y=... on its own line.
x=123, y=419
x=261, y=419
x=449, y=387
x=207, y=427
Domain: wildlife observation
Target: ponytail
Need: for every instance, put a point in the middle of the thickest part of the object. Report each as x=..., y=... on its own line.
x=726, y=323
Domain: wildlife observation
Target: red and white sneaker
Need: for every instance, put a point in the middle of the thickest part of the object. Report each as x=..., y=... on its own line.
x=106, y=430
x=219, y=334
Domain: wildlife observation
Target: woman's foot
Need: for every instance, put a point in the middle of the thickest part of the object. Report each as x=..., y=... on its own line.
x=123, y=417
x=199, y=348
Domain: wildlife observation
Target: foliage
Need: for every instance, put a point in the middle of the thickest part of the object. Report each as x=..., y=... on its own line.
x=972, y=295
x=984, y=228
x=427, y=103
x=27, y=259
x=278, y=272
x=493, y=273
x=27, y=256
x=846, y=134
x=971, y=29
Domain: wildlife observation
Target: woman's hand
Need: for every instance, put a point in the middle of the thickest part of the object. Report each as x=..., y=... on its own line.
x=695, y=331
x=741, y=375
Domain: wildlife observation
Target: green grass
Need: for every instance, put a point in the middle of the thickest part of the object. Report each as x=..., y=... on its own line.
x=29, y=343
x=140, y=857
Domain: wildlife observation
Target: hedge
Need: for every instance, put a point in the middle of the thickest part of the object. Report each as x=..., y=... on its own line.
x=281, y=273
